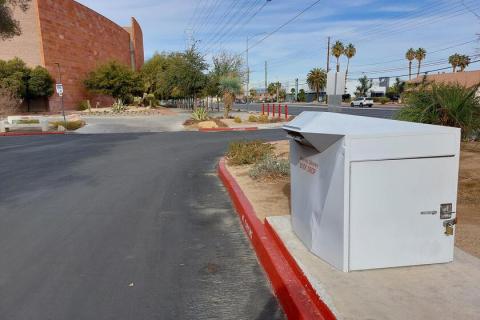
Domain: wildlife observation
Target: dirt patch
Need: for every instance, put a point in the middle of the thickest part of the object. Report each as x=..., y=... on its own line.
x=193, y=124
x=268, y=197
x=468, y=206
x=272, y=197
x=131, y=111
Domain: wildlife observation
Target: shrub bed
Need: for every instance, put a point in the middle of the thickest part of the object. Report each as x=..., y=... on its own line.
x=270, y=168
x=248, y=152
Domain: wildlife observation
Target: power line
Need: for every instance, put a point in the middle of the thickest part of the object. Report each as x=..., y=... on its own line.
x=233, y=25
x=283, y=25
x=423, y=72
x=222, y=25
x=430, y=63
x=411, y=25
x=241, y=27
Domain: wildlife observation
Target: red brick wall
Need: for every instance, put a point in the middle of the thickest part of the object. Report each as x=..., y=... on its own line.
x=137, y=38
x=27, y=46
x=80, y=40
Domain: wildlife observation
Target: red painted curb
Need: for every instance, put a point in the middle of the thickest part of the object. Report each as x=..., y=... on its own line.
x=227, y=129
x=291, y=291
x=22, y=134
x=299, y=273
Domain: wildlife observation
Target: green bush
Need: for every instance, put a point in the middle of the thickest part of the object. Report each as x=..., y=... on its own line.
x=248, y=152
x=263, y=118
x=384, y=100
x=118, y=106
x=24, y=82
x=84, y=105
x=200, y=114
x=270, y=167
x=444, y=104
x=137, y=101
x=237, y=120
x=252, y=118
x=116, y=80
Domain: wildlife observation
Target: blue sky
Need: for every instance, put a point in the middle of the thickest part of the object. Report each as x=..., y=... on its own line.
x=381, y=30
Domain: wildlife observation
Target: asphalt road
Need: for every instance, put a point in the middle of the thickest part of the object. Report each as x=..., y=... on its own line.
x=124, y=226
x=295, y=109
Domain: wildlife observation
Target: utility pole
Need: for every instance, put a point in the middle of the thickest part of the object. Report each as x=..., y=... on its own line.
x=266, y=79
x=328, y=55
x=296, y=90
x=248, y=74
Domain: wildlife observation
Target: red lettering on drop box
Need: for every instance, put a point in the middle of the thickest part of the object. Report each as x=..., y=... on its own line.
x=308, y=165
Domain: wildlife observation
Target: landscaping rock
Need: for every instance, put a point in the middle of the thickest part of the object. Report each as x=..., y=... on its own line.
x=207, y=125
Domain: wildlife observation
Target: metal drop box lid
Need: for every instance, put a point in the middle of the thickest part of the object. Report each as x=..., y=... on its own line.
x=372, y=138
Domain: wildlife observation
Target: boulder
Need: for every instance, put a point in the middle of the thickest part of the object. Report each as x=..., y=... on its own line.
x=207, y=125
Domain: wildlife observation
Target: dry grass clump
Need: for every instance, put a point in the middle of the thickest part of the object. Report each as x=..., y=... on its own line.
x=270, y=167
x=70, y=125
x=248, y=152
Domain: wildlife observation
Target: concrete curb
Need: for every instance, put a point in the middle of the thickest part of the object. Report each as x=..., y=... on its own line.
x=24, y=134
x=289, y=284
x=227, y=129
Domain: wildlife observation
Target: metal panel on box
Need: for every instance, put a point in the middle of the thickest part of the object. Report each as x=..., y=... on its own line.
x=395, y=212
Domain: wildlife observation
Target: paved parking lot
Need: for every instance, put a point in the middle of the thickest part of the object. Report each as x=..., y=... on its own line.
x=124, y=226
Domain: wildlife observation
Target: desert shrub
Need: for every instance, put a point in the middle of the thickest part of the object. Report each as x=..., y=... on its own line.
x=252, y=118
x=70, y=125
x=9, y=103
x=150, y=100
x=270, y=167
x=384, y=100
x=118, y=106
x=237, y=120
x=248, y=152
x=24, y=82
x=263, y=118
x=200, y=114
x=116, y=80
x=84, y=105
x=137, y=101
x=444, y=104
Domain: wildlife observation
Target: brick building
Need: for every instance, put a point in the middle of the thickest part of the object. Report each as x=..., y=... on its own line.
x=77, y=38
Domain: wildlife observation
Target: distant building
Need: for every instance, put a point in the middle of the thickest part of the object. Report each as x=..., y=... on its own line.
x=76, y=37
x=465, y=78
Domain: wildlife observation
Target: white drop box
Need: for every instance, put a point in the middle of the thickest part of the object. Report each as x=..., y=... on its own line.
x=373, y=193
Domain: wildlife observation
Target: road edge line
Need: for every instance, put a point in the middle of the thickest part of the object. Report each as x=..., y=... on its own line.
x=291, y=291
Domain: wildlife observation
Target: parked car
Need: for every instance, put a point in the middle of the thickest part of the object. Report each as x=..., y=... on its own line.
x=362, y=102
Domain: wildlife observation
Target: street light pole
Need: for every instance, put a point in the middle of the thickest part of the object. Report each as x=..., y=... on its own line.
x=248, y=74
x=61, y=96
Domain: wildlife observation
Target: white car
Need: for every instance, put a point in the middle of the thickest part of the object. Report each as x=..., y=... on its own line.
x=362, y=102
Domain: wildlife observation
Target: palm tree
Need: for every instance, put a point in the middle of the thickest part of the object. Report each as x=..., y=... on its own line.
x=464, y=61
x=337, y=50
x=410, y=56
x=454, y=60
x=317, y=80
x=350, y=51
x=229, y=86
x=420, y=55
x=365, y=85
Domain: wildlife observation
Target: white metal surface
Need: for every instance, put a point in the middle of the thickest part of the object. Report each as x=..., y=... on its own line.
x=394, y=212
x=345, y=167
